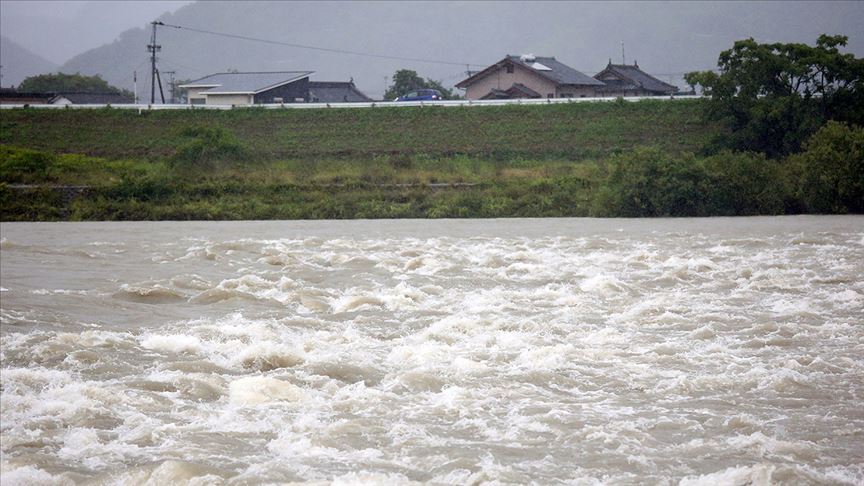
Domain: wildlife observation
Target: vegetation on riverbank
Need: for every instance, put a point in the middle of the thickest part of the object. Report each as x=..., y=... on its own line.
x=581, y=159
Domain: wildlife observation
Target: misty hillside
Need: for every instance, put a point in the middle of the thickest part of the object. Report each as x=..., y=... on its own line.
x=666, y=38
x=19, y=63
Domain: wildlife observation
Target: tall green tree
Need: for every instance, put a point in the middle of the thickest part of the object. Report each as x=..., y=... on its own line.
x=774, y=96
x=406, y=80
x=68, y=83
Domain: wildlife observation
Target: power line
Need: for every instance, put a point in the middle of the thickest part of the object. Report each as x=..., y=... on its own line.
x=325, y=49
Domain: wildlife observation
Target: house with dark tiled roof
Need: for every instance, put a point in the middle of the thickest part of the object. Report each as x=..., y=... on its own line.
x=529, y=76
x=627, y=80
x=92, y=99
x=336, y=92
x=13, y=96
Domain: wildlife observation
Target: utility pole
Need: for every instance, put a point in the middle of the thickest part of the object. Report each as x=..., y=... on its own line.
x=153, y=48
x=135, y=83
x=623, y=59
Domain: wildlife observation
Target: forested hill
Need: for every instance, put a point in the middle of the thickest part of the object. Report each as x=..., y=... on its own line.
x=19, y=63
x=665, y=38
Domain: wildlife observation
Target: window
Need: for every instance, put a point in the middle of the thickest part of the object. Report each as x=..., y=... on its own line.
x=277, y=100
x=509, y=68
x=566, y=95
x=196, y=101
x=550, y=95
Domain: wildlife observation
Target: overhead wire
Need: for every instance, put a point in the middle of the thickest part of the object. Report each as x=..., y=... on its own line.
x=317, y=48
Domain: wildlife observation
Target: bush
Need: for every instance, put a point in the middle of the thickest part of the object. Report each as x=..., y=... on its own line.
x=648, y=182
x=24, y=166
x=745, y=184
x=832, y=167
x=207, y=147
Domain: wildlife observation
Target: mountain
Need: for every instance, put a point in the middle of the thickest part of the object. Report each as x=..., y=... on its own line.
x=667, y=38
x=19, y=63
x=59, y=30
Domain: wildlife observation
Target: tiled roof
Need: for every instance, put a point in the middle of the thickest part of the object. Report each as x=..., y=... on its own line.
x=249, y=83
x=335, y=92
x=558, y=72
x=547, y=67
x=96, y=98
x=639, y=78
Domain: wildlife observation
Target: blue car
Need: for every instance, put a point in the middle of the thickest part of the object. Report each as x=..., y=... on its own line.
x=421, y=95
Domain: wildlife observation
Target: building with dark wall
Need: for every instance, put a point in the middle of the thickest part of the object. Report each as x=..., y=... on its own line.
x=249, y=88
x=241, y=89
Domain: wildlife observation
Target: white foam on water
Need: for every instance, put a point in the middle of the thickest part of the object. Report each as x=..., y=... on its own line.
x=173, y=343
x=256, y=390
x=449, y=360
x=758, y=475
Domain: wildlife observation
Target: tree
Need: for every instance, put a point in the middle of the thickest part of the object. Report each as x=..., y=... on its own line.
x=774, y=96
x=68, y=83
x=832, y=167
x=406, y=80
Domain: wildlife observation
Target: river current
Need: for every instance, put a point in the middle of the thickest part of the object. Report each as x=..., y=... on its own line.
x=547, y=351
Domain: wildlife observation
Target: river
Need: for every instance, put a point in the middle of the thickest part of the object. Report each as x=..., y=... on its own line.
x=577, y=351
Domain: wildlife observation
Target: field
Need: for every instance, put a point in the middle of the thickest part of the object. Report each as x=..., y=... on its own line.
x=499, y=161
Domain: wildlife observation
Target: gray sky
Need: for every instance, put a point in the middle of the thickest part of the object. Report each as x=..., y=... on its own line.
x=668, y=38
x=58, y=30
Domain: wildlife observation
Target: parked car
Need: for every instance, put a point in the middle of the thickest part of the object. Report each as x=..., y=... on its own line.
x=421, y=95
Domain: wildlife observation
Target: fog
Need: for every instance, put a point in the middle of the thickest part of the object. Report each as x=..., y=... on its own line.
x=667, y=38
x=58, y=30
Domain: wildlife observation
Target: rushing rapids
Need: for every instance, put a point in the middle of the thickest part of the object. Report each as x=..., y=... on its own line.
x=691, y=351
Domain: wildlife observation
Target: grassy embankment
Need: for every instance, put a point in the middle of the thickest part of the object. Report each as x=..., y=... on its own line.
x=551, y=160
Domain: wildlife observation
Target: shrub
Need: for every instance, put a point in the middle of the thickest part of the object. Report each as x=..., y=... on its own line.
x=648, y=182
x=207, y=147
x=24, y=166
x=743, y=184
x=832, y=167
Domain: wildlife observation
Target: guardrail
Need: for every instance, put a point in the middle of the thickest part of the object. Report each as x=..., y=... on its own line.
x=375, y=104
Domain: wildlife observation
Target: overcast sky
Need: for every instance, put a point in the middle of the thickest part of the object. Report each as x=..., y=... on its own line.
x=667, y=37
x=58, y=30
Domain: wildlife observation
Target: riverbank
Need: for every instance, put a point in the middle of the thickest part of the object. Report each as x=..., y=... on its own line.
x=581, y=159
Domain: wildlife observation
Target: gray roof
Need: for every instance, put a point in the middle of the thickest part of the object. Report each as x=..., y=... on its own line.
x=249, y=83
x=96, y=98
x=639, y=78
x=558, y=72
x=335, y=92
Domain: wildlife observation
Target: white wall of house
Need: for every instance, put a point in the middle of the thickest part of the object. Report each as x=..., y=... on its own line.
x=230, y=99
x=196, y=96
x=501, y=79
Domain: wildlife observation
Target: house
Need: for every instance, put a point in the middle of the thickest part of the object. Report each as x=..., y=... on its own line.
x=336, y=92
x=626, y=80
x=92, y=99
x=529, y=77
x=249, y=88
x=11, y=96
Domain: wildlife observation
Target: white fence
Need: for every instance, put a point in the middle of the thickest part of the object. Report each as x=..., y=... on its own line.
x=376, y=104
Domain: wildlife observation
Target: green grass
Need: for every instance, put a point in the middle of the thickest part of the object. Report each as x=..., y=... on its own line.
x=570, y=131
x=504, y=161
